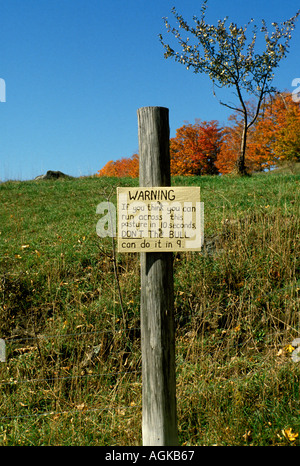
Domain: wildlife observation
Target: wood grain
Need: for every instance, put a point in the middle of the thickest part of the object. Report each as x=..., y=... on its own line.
x=159, y=423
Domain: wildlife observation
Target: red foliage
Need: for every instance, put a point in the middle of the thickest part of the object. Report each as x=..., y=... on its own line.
x=195, y=148
x=277, y=132
x=274, y=138
x=125, y=167
x=206, y=149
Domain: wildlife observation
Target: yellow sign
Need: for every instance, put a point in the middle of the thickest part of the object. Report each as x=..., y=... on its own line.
x=160, y=219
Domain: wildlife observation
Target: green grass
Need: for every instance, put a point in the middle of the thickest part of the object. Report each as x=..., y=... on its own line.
x=236, y=311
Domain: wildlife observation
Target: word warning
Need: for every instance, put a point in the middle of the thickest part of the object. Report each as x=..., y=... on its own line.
x=160, y=219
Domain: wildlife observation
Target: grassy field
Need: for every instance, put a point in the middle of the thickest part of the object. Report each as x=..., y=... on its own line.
x=73, y=372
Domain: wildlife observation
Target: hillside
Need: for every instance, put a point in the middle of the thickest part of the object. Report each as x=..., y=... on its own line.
x=73, y=372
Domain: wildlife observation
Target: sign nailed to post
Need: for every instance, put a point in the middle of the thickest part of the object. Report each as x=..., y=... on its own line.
x=156, y=220
x=160, y=219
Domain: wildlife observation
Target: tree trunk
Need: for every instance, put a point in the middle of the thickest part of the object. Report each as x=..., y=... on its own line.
x=240, y=163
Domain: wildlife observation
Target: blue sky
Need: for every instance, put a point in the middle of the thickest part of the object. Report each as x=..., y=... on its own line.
x=76, y=71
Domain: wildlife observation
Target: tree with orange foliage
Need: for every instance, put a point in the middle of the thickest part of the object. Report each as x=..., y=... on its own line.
x=195, y=148
x=275, y=137
x=125, y=167
x=286, y=138
x=205, y=148
x=226, y=161
x=108, y=169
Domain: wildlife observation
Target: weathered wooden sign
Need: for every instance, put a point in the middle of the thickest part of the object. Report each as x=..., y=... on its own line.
x=160, y=219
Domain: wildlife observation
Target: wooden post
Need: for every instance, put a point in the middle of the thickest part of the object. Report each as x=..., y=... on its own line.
x=159, y=424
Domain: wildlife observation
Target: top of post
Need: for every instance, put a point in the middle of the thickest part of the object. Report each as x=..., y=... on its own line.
x=153, y=107
x=154, y=151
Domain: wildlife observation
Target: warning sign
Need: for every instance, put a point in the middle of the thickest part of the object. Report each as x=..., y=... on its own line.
x=160, y=219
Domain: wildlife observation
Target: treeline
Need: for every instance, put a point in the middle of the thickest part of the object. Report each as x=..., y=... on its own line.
x=206, y=148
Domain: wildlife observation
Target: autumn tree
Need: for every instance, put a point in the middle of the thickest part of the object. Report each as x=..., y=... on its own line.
x=195, y=148
x=230, y=58
x=226, y=160
x=255, y=160
x=108, y=170
x=124, y=167
x=273, y=139
x=287, y=139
